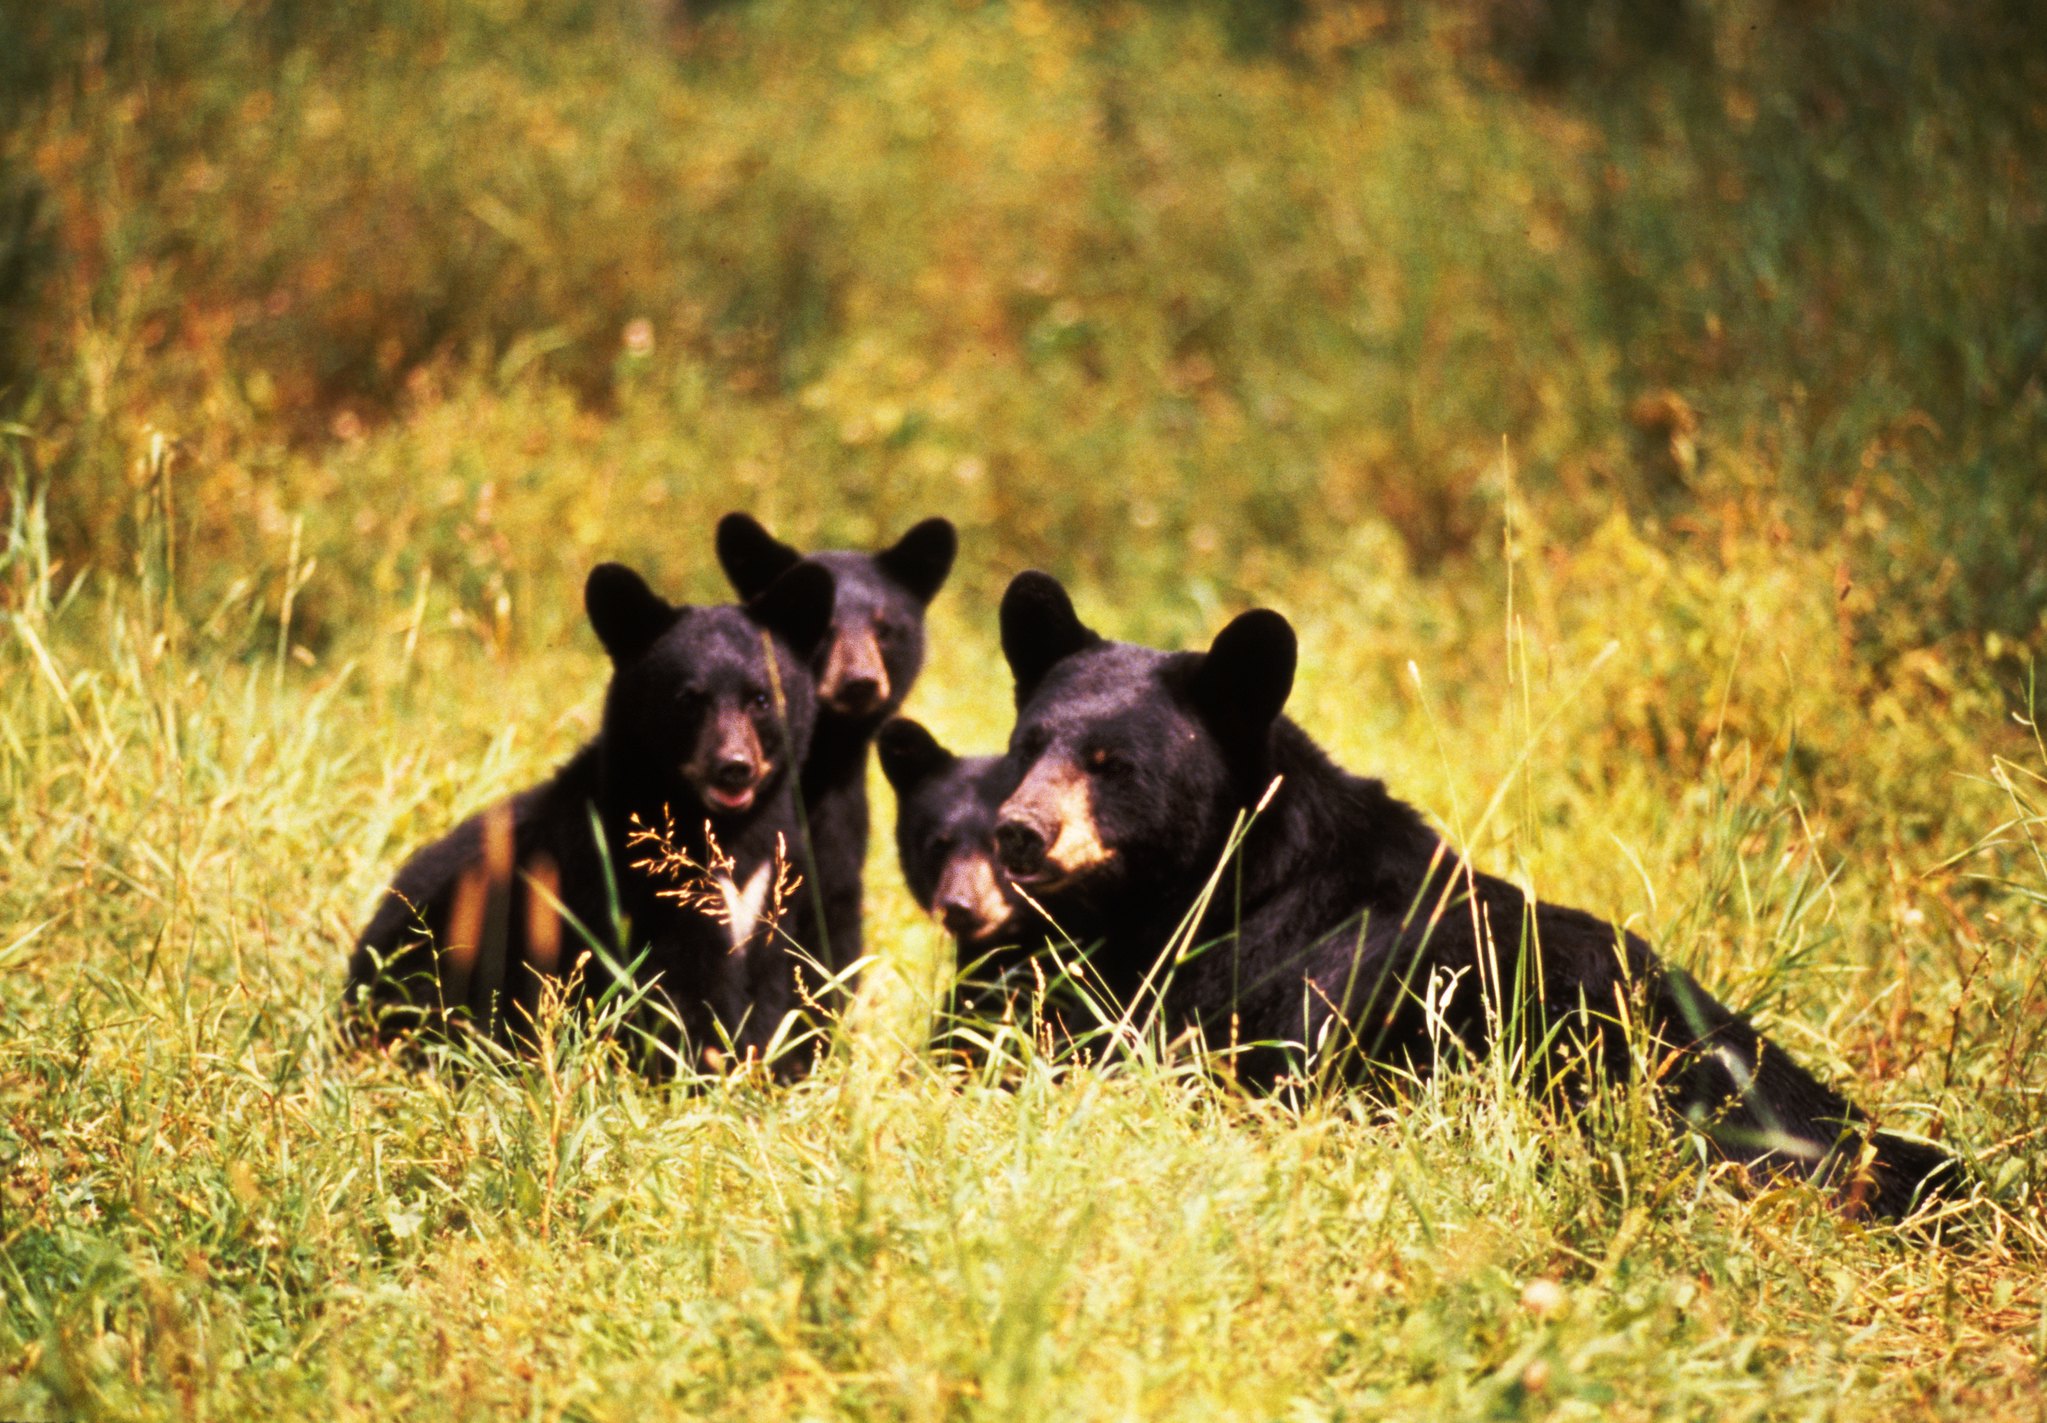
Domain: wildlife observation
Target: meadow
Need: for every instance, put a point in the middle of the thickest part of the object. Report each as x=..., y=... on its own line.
x=1644, y=422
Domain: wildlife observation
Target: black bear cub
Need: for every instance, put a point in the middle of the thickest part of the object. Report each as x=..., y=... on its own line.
x=1345, y=923
x=864, y=669
x=945, y=835
x=700, y=739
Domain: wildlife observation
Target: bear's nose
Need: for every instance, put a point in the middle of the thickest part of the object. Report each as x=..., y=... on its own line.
x=734, y=773
x=956, y=915
x=1020, y=847
x=860, y=694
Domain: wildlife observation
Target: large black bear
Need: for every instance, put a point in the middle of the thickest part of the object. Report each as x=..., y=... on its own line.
x=700, y=736
x=1344, y=923
x=864, y=670
x=946, y=807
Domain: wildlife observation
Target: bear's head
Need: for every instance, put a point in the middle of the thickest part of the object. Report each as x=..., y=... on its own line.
x=865, y=668
x=708, y=707
x=1131, y=763
x=945, y=833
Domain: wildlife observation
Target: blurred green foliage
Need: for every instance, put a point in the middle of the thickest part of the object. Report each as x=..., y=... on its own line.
x=1231, y=276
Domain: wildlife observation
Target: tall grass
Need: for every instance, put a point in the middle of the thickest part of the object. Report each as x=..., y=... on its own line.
x=209, y=1204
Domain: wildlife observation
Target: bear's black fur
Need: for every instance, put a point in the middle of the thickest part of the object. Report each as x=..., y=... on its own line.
x=699, y=738
x=1344, y=922
x=945, y=841
x=864, y=669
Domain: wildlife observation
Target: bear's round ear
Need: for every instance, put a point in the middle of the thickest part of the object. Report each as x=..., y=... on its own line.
x=1242, y=683
x=1039, y=629
x=752, y=557
x=627, y=614
x=909, y=754
x=797, y=607
x=921, y=558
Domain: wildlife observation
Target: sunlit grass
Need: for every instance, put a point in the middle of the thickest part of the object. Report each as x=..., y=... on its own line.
x=210, y=1203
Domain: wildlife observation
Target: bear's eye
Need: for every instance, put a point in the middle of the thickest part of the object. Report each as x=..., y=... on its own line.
x=758, y=700
x=1106, y=761
x=886, y=630
x=1033, y=743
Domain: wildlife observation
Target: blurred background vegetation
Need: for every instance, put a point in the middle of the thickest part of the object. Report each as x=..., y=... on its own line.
x=1227, y=278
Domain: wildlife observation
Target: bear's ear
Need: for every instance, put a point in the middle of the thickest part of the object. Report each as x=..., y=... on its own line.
x=910, y=755
x=1039, y=629
x=797, y=607
x=627, y=614
x=921, y=559
x=751, y=556
x=1242, y=684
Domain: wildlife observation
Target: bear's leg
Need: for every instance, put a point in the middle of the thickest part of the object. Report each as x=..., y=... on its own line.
x=1760, y=1107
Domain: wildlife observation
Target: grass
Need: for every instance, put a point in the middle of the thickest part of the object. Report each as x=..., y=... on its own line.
x=212, y=1207
x=1648, y=453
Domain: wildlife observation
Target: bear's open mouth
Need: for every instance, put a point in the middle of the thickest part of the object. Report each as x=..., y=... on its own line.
x=732, y=793
x=732, y=801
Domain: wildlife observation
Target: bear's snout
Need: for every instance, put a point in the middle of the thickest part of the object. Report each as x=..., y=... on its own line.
x=1047, y=834
x=730, y=764
x=969, y=901
x=855, y=679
